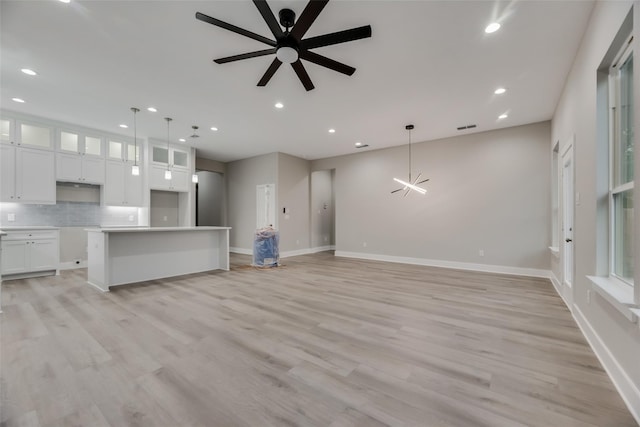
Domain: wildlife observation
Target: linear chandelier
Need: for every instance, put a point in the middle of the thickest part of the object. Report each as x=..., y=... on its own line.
x=409, y=185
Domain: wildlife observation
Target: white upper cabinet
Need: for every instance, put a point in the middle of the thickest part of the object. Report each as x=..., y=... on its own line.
x=7, y=130
x=174, y=157
x=34, y=135
x=79, y=158
x=123, y=150
x=79, y=143
x=27, y=175
x=122, y=188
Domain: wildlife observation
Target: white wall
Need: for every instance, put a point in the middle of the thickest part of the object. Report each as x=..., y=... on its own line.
x=292, y=192
x=614, y=338
x=242, y=177
x=487, y=191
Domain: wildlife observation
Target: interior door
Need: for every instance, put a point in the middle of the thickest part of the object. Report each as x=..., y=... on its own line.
x=266, y=206
x=568, y=203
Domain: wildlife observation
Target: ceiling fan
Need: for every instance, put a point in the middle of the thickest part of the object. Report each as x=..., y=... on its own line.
x=289, y=45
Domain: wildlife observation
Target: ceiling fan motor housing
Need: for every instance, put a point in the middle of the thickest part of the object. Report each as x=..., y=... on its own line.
x=287, y=18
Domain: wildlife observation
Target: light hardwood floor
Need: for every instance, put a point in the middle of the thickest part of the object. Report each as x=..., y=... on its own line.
x=321, y=341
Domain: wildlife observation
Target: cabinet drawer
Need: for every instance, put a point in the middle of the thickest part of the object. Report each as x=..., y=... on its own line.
x=30, y=235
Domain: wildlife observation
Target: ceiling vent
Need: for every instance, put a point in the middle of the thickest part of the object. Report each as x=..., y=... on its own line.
x=362, y=145
x=466, y=127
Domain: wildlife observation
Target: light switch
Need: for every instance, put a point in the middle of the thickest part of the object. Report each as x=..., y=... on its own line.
x=11, y=217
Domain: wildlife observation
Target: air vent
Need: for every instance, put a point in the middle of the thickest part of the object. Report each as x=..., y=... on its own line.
x=362, y=146
x=466, y=127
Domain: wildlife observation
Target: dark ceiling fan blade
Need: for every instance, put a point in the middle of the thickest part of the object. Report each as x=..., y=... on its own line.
x=231, y=27
x=244, y=56
x=269, y=18
x=337, y=37
x=270, y=72
x=326, y=62
x=308, y=16
x=302, y=75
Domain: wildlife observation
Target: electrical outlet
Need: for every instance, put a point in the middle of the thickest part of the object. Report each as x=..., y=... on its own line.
x=326, y=238
x=164, y=218
x=481, y=252
x=11, y=217
x=364, y=244
x=297, y=242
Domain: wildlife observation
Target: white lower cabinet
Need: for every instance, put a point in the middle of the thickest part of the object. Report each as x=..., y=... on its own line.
x=179, y=179
x=27, y=175
x=28, y=251
x=121, y=187
x=71, y=167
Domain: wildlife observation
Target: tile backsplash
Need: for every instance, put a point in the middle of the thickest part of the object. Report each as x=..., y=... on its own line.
x=66, y=214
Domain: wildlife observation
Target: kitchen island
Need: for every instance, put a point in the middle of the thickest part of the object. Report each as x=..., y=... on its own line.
x=117, y=256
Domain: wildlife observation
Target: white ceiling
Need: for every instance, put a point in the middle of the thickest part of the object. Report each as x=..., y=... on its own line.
x=428, y=63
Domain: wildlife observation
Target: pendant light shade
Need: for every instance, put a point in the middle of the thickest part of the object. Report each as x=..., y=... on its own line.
x=194, y=178
x=167, y=173
x=135, y=169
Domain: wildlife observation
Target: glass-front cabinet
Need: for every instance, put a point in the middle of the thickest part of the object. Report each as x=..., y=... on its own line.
x=126, y=151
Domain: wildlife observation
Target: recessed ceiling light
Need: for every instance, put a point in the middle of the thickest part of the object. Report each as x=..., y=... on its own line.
x=492, y=28
x=123, y=126
x=182, y=140
x=152, y=109
x=29, y=72
x=20, y=100
x=500, y=91
x=332, y=131
x=503, y=116
x=65, y=1
x=279, y=105
x=358, y=144
x=213, y=128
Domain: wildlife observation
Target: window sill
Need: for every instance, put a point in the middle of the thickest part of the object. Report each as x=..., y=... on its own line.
x=555, y=251
x=617, y=294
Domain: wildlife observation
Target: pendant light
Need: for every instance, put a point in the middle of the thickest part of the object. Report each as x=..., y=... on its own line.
x=194, y=178
x=408, y=185
x=135, y=169
x=167, y=173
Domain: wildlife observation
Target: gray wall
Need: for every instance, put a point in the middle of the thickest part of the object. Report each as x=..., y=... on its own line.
x=242, y=177
x=487, y=191
x=322, y=209
x=615, y=338
x=292, y=192
x=210, y=198
x=164, y=209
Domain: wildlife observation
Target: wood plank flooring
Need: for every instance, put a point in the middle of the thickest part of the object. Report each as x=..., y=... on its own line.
x=321, y=341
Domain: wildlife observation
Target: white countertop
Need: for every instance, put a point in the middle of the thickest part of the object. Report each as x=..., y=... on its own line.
x=153, y=229
x=29, y=227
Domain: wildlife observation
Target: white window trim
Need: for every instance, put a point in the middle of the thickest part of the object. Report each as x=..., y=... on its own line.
x=623, y=55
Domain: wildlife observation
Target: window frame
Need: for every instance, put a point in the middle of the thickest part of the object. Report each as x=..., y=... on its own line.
x=615, y=141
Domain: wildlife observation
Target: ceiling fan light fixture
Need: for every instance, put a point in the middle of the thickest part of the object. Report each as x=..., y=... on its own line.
x=287, y=55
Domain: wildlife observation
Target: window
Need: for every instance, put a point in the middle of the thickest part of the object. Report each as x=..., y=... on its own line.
x=621, y=175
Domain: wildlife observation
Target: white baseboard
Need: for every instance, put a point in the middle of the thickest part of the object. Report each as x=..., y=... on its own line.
x=625, y=386
x=241, y=251
x=501, y=269
x=70, y=265
x=558, y=287
x=287, y=254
